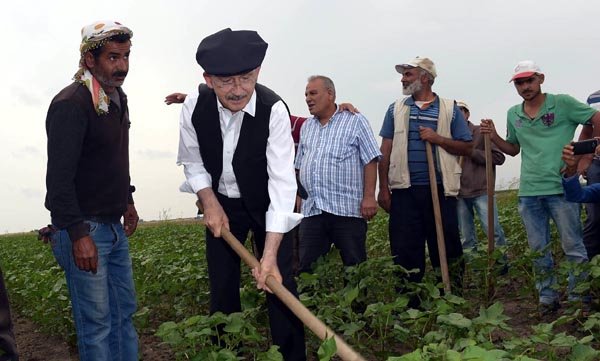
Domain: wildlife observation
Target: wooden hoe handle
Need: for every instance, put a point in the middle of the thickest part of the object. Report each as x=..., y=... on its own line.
x=310, y=320
x=437, y=213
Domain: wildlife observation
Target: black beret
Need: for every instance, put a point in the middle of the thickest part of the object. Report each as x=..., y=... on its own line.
x=228, y=52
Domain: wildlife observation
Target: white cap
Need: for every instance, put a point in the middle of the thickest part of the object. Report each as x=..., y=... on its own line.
x=525, y=69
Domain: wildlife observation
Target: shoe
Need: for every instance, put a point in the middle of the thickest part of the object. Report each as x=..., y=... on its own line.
x=546, y=309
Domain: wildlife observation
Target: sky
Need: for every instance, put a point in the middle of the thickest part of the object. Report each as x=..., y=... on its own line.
x=474, y=44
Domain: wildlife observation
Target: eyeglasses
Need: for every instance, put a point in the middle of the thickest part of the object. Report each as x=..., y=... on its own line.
x=230, y=81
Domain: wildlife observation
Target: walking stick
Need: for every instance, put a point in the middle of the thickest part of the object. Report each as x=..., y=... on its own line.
x=311, y=321
x=489, y=175
x=439, y=229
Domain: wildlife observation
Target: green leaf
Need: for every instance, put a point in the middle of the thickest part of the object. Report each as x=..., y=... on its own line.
x=351, y=328
x=272, y=354
x=583, y=353
x=416, y=355
x=169, y=333
x=235, y=324
x=226, y=355
x=481, y=354
x=327, y=349
x=452, y=355
x=563, y=340
x=351, y=295
x=455, y=319
x=59, y=284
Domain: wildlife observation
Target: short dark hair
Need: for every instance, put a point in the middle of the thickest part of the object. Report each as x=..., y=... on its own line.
x=119, y=38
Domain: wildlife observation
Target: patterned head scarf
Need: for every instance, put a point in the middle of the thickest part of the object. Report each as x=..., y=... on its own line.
x=94, y=36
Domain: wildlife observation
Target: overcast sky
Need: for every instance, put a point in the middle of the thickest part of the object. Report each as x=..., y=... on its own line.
x=474, y=44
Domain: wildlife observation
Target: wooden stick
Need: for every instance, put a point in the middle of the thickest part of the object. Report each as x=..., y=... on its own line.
x=439, y=229
x=310, y=320
x=489, y=175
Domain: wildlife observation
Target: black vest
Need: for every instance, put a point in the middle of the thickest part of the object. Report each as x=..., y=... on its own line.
x=250, y=159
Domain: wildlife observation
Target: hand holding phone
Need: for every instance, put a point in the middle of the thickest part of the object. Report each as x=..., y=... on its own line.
x=585, y=146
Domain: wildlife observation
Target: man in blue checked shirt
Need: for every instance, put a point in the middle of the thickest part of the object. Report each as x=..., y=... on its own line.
x=337, y=161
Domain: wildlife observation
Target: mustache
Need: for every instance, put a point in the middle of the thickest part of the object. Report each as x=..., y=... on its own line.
x=235, y=97
x=119, y=73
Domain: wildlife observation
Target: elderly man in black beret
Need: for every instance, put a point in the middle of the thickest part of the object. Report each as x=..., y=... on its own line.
x=237, y=151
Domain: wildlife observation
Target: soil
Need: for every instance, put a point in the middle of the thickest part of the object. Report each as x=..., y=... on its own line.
x=37, y=346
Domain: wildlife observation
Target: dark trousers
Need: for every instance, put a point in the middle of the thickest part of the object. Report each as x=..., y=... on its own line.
x=412, y=224
x=7, y=338
x=318, y=232
x=591, y=228
x=287, y=330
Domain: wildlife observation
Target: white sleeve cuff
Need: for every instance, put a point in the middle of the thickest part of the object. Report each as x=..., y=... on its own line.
x=196, y=183
x=279, y=222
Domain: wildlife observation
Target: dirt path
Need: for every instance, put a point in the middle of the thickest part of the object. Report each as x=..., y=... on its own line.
x=37, y=346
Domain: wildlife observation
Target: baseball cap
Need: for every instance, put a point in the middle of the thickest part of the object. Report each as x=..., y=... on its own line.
x=462, y=104
x=525, y=69
x=418, y=62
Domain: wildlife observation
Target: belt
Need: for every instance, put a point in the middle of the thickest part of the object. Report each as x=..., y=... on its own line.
x=103, y=219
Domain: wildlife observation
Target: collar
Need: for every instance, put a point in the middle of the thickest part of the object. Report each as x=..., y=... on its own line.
x=410, y=101
x=547, y=107
x=337, y=110
x=250, y=108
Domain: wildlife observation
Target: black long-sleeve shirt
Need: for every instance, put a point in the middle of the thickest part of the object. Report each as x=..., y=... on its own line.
x=88, y=160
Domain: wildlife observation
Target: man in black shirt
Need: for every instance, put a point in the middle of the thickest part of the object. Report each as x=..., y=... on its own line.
x=88, y=191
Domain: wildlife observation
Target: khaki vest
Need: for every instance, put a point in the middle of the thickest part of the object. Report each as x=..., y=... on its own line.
x=399, y=176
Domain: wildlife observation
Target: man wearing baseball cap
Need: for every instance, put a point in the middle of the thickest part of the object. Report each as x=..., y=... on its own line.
x=404, y=189
x=238, y=156
x=88, y=191
x=538, y=128
x=472, y=197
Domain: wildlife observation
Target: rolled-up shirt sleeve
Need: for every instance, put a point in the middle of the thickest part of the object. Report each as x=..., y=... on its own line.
x=280, y=216
x=188, y=155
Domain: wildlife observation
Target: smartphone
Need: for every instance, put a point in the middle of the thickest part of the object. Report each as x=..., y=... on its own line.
x=585, y=146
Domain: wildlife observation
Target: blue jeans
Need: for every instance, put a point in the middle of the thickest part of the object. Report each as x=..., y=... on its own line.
x=103, y=303
x=536, y=212
x=466, y=208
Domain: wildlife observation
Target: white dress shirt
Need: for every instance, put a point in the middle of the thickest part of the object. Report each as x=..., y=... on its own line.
x=280, y=159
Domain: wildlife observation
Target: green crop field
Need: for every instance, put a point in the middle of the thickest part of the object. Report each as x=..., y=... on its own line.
x=360, y=303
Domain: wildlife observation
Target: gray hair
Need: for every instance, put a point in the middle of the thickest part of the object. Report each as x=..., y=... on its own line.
x=430, y=77
x=327, y=82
